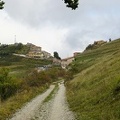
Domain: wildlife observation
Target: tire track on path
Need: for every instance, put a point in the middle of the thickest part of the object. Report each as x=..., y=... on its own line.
x=55, y=109
x=29, y=110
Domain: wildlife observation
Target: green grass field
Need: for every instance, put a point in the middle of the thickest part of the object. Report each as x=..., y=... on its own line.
x=94, y=93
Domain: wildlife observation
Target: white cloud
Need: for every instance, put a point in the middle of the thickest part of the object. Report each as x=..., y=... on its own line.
x=49, y=38
x=54, y=27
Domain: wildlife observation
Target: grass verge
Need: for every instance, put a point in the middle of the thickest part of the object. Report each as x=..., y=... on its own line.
x=10, y=106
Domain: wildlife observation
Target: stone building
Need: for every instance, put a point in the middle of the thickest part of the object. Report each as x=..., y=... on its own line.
x=36, y=52
x=65, y=62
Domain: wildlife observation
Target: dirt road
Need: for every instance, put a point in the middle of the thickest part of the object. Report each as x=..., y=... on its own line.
x=28, y=111
x=55, y=109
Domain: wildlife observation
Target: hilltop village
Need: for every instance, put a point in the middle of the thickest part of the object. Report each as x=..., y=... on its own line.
x=32, y=51
x=36, y=52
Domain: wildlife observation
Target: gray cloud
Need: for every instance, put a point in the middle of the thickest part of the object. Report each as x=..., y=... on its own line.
x=93, y=20
x=37, y=13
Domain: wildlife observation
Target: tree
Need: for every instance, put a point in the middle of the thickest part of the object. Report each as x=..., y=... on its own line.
x=69, y=3
x=56, y=55
x=2, y=4
x=110, y=40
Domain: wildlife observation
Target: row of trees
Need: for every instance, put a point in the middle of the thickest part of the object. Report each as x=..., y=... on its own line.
x=69, y=3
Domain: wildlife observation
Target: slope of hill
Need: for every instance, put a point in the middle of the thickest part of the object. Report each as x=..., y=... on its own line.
x=94, y=93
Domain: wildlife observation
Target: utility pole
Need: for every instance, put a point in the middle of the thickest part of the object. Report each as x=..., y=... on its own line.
x=15, y=40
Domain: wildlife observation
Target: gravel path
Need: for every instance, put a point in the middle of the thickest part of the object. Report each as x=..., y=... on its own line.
x=60, y=110
x=28, y=111
x=54, y=109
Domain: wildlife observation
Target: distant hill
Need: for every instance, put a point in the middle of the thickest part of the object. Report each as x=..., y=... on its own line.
x=94, y=92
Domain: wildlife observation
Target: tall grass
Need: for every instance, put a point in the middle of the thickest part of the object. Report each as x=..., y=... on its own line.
x=8, y=107
x=94, y=93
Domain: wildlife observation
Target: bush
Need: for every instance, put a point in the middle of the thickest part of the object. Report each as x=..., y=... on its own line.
x=8, y=86
x=35, y=78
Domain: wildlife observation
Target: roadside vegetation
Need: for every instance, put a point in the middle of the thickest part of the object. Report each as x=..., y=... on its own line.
x=93, y=89
x=15, y=91
x=20, y=80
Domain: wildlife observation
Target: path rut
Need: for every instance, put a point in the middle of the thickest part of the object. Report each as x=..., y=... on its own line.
x=55, y=109
x=28, y=111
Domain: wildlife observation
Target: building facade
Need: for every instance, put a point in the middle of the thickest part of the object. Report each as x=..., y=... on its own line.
x=36, y=52
x=65, y=62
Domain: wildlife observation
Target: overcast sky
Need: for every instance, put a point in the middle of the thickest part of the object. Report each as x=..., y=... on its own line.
x=54, y=27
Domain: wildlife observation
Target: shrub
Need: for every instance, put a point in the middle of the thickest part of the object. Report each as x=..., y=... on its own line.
x=8, y=86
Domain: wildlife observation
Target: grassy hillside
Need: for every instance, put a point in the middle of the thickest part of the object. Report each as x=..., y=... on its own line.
x=94, y=93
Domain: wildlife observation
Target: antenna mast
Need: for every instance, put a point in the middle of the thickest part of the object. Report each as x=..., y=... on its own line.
x=15, y=39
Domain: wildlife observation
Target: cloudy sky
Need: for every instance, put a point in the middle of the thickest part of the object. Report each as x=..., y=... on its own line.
x=54, y=27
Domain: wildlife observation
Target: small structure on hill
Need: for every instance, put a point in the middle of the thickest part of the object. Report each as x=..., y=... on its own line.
x=65, y=62
x=100, y=42
x=76, y=53
x=56, y=61
x=36, y=52
x=95, y=45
